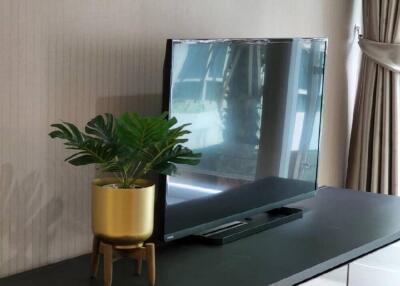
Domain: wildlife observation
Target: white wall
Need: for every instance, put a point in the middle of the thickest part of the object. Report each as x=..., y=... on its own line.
x=71, y=59
x=353, y=63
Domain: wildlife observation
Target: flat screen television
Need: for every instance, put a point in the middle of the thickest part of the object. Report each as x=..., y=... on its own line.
x=255, y=111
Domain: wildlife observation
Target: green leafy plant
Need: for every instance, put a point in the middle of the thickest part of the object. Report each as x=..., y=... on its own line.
x=129, y=146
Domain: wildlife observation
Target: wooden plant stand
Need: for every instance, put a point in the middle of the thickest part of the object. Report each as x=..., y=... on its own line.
x=112, y=252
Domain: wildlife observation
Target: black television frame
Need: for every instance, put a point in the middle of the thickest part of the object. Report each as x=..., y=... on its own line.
x=166, y=96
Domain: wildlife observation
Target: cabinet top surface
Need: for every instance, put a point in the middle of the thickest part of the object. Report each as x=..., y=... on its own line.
x=338, y=226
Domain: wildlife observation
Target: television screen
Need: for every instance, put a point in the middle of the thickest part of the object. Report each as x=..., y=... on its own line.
x=255, y=111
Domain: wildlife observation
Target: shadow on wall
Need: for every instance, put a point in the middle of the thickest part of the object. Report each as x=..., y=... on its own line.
x=97, y=76
x=23, y=205
x=121, y=104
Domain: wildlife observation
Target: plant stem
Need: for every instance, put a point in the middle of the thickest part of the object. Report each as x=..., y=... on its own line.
x=132, y=174
x=141, y=173
x=125, y=179
x=138, y=172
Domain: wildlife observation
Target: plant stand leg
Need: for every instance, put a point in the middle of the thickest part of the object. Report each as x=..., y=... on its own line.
x=108, y=263
x=95, y=257
x=139, y=261
x=151, y=263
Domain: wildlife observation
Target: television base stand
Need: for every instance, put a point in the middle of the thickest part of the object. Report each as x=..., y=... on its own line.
x=233, y=231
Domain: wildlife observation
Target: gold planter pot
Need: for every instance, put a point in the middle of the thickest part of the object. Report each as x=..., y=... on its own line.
x=123, y=216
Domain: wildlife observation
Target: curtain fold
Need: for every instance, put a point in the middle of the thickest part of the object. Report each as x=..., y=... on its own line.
x=372, y=162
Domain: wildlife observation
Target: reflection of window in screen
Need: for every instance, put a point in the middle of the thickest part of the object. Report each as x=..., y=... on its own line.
x=304, y=145
x=298, y=127
x=197, y=90
x=215, y=84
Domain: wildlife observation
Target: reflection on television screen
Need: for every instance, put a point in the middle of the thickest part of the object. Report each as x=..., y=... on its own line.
x=254, y=109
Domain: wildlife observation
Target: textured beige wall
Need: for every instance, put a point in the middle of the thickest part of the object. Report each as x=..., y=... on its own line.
x=72, y=59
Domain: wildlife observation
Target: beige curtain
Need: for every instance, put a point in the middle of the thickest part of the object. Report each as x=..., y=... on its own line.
x=372, y=164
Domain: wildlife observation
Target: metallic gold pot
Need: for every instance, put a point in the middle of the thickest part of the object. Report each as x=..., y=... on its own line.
x=125, y=216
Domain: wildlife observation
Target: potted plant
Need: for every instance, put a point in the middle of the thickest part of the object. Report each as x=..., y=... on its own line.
x=128, y=147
